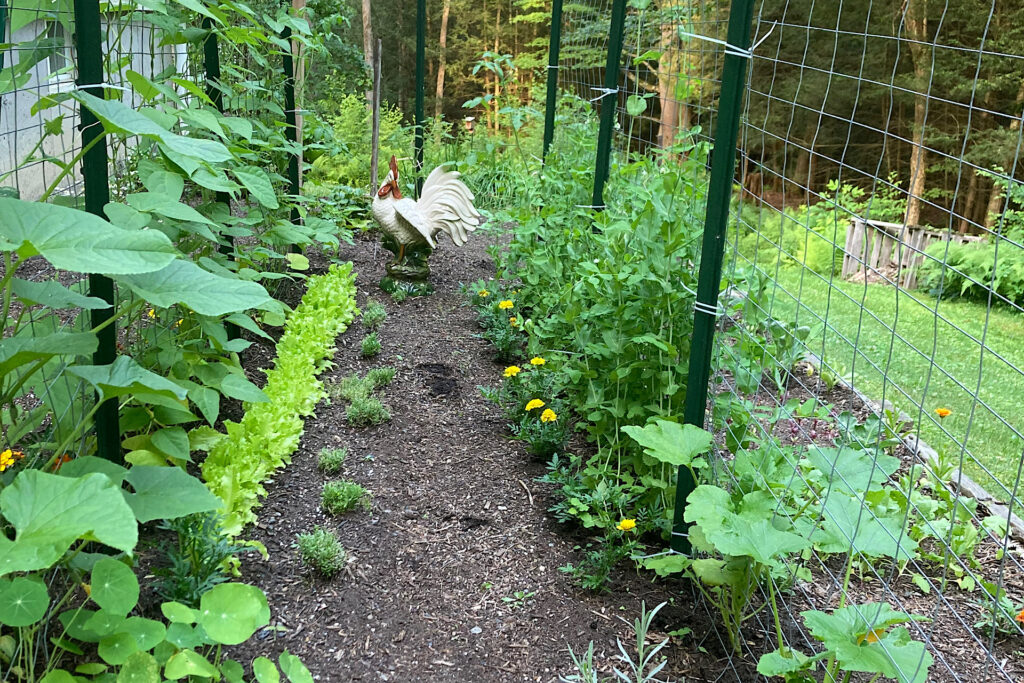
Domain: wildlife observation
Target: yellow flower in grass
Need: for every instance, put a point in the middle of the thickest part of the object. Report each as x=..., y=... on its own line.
x=548, y=415
x=943, y=412
x=626, y=525
x=513, y=321
x=483, y=294
x=512, y=371
x=505, y=305
x=535, y=403
x=537, y=360
x=151, y=314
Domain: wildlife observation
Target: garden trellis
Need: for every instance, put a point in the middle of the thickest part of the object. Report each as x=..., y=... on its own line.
x=894, y=128
x=168, y=63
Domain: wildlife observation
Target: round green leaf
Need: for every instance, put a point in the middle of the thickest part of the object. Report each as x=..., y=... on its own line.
x=294, y=669
x=233, y=671
x=115, y=649
x=147, y=632
x=265, y=671
x=57, y=676
x=177, y=613
x=23, y=601
x=188, y=663
x=231, y=612
x=114, y=587
x=140, y=667
x=90, y=668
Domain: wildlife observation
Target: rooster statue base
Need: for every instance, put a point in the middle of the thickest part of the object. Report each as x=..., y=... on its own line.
x=410, y=228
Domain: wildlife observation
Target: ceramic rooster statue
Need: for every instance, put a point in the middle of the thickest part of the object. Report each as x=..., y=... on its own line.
x=411, y=227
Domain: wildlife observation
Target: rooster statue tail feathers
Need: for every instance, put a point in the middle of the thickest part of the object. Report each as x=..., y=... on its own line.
x=445, y=205
x=448, y=204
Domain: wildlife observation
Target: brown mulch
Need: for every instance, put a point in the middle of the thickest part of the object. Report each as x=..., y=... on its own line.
x=458, y=524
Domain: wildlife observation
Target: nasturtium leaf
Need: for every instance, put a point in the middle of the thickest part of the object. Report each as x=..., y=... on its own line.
x=125, y=376
x=231, y=613
x=146, y=632
x=236, y=386
x=265, y=670
x=672, y=443
x=177, y=613
x=172, y=442
x=78, y=241
x=167, y=493
x=87, y=464
x=50, y=512
x=116, y=648
x=294, y=669
x=74, y=621
x=23, y=601
x=104, y=623
x=851, y=470
x=258, y=183
x=57, y=676
x=189, y=663
x=53, y=294
x=114, y=586
x=91, y=668
x=139, y=667
x=24, y=349
x=184, y=636
x=232, y=670
x=183, y=282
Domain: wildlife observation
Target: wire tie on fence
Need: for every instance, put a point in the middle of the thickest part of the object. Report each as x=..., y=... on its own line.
x=731, y=49
x=553, y=66
x=605, y=92
x=701, y=307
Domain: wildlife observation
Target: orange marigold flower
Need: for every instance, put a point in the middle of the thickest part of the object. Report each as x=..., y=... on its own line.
x=60, y=461
x=1020, y=617
x=943, y=412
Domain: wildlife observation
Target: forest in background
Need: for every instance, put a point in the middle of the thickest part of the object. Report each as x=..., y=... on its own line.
x=865, y=92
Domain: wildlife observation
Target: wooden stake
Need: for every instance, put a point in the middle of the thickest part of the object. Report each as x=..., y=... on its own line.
x=375, y=125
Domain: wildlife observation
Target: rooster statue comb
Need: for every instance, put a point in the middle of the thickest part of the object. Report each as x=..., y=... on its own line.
x=411, y=227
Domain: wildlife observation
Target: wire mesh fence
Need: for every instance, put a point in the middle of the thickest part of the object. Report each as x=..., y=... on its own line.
x=866, y=375
x=156, y=61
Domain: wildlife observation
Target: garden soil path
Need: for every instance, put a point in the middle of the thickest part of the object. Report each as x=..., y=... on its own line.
x=458, y=524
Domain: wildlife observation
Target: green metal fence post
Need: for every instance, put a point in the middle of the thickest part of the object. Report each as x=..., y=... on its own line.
x=211, y=59
x=609, y=99
x=97, y=193
x=291, y=122
x=554, y=45
x=723, y=167
x=421, y=75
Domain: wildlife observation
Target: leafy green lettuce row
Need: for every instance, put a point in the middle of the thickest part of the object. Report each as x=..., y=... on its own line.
x=263, y=442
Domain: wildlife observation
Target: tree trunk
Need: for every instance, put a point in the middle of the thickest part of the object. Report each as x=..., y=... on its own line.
x=916, y=20
x=996, y=199
x=970, y=202
x=368, y=48
x=442, y=44
x=670, y=68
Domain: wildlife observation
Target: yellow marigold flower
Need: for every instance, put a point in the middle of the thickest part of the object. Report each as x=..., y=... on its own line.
x=483, y=294
x=943, y=412
x=151, y=314
x=548, y=415
x=512, y=371
x=626, y=525
x=535, y=403
x=6, y=459
x=537, y=360
x=180, y=321
x=513, y=321
x=505, y=305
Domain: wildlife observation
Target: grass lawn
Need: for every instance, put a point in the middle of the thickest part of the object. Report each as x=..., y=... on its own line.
x=921, y=354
